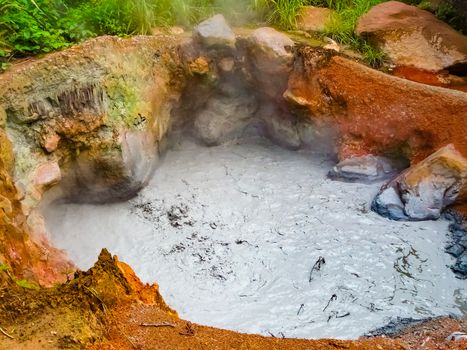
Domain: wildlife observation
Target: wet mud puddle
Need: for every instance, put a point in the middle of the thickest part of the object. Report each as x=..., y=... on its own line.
x=254, y=238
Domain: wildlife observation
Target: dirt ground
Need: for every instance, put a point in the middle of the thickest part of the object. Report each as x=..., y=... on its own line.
x=109, y=308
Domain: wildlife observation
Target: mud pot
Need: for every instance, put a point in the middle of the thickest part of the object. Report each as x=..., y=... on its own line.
x=252, y=237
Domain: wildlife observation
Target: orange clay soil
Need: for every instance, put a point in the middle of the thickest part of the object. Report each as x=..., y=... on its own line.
x=108, y=307
x=431, y=78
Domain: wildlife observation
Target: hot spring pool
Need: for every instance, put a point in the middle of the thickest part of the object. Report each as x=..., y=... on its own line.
x=231, y=233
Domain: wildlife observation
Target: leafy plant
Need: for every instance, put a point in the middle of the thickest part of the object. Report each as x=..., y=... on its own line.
x=26, y=284
x=4, y=267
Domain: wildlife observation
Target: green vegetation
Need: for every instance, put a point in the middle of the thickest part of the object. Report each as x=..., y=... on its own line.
x=31, y=27
x=5, y=268
x=26, y=284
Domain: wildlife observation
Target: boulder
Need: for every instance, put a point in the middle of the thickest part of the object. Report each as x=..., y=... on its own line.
x=373, y=112
x=314, y=19
x=460, y=267
x=215, y=32
x=224, y=117
x=269, y=44
x=47, y=174
x=99, y=109
x=281, y=127
x=457, y=336
x=366, y=168
x=410, y=36
x=270, y=57
x=425, y=189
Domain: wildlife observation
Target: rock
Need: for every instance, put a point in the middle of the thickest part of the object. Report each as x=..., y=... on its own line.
x=113, y=177
x=396, y=326
x=226, y=64
x=280, y=127
x=47, y=174
x=2, y=117
x=457, y=336
x=460, y=267
x=458, y=245
x=271, y=45
x=225, y=116
x=102, y=108
x=199, y=66
x=364, y=168
x=314, y=19
x=455, y=250
x=50, y=141
x=410, y=36
x=389, y=204
x=270, y=56
x=23, y=252
x=7, y=157
x=425, y=189
x=331, y=45
x=367, y=108
x=215, y=32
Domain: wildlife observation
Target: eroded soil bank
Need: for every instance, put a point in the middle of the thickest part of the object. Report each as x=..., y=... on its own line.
x=108, y=308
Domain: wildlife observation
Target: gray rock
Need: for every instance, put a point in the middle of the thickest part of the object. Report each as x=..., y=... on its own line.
x=457, y=336
x=215, y=32
x=113, y=175
x=424, y=190
x=460, y=267
x=366, y=168
x=428, y=199
x=271, y=42
x=388, y=204
x=455, y=250
x=280, y=127
x=270, y=57
x=223, y=118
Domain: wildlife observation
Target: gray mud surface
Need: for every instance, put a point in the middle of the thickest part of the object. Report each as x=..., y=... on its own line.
x=233, y=235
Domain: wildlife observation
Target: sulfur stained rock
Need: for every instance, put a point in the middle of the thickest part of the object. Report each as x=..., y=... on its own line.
x=410, y=36
x=79, y=105
x=29, y=256
x=425, y=189
x=373, y=112
x=47, y=174
x=6, y=151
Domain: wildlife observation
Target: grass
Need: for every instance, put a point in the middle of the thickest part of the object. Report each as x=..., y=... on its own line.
x=31, y=27
x=283, y=13
x=342, y=28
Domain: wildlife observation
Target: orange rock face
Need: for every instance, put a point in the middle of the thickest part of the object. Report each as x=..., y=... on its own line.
x=376, y=113
x=430, y=78
x=28, y=257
